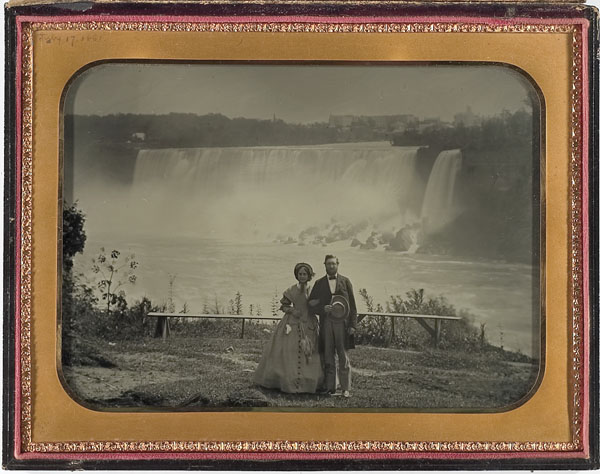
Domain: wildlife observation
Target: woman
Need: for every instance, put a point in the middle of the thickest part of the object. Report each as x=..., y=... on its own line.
x=291, y=361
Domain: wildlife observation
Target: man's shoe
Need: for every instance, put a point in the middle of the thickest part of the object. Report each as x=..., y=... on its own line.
x=346, y=394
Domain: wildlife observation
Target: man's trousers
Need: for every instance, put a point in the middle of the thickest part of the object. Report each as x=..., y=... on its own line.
x=334, y=341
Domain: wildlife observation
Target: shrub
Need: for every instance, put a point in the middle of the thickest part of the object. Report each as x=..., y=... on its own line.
x=372, y=330
x=114, y=272
x=462, y=334
x=408, y=333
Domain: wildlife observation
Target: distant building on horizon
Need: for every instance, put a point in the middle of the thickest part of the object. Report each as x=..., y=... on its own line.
x=138, y=136
x=341, y=121
x=391, y=123
x=432, y=124
x=467, y=118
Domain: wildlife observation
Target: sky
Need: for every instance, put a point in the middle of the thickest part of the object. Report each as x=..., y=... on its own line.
x=298, y=94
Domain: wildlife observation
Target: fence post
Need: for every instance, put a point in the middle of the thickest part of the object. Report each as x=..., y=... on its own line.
x=162, y=327
x=166, y=329
x=243, y=325
x=437, y=333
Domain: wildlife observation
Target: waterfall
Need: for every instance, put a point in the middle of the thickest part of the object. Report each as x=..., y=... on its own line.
x=265, y=190
x=439, y=204
x=205, y=170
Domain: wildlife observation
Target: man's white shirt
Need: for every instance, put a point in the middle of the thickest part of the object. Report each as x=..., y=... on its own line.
x=332, y=283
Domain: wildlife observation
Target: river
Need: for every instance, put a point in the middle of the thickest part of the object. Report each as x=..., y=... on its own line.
x=498, y=294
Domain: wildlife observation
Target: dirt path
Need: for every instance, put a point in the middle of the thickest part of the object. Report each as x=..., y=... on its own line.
x=186, y=373
x=89, y=383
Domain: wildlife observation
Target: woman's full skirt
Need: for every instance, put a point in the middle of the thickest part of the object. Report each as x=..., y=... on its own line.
x=285, y=364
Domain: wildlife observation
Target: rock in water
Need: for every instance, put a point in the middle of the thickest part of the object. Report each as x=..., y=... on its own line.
x=355, y=243
x=370, y=244
x=405, y=239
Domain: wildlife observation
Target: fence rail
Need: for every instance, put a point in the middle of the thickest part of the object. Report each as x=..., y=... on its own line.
x=163, y=329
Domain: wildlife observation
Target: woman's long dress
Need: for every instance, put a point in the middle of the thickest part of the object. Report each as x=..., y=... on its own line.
x=291, y=361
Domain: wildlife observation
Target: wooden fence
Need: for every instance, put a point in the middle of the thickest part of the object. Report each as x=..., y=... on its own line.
x=425, y=320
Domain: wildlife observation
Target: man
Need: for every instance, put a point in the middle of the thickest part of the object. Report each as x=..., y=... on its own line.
x=336, y=336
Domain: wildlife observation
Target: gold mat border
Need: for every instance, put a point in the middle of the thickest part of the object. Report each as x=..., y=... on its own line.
x=575, y=238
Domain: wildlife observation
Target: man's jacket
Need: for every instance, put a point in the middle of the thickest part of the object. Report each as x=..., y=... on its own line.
x=322, y=293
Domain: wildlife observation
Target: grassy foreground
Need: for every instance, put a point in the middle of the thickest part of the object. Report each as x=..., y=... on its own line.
x=204, y=373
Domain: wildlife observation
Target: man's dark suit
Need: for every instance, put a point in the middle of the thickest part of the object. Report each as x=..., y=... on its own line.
x=333, y=335
x=321, y=292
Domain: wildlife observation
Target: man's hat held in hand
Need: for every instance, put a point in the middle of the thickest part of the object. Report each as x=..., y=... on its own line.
x=340, y=308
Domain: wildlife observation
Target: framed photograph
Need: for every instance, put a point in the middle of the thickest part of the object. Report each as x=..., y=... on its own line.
x=301, y=236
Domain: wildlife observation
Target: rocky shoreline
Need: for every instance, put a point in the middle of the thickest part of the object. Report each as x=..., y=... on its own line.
x=411, y=238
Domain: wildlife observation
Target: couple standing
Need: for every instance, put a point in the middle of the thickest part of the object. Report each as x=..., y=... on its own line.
x=318, y=324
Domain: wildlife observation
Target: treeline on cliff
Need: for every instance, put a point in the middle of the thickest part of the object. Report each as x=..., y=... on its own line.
x=177, y=130
x=505, y=129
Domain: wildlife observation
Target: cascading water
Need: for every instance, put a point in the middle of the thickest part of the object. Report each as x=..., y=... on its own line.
x=439, y=205
x=262, y=191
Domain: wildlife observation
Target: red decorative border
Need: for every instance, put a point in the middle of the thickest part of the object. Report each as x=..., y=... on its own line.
x=277, y=450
